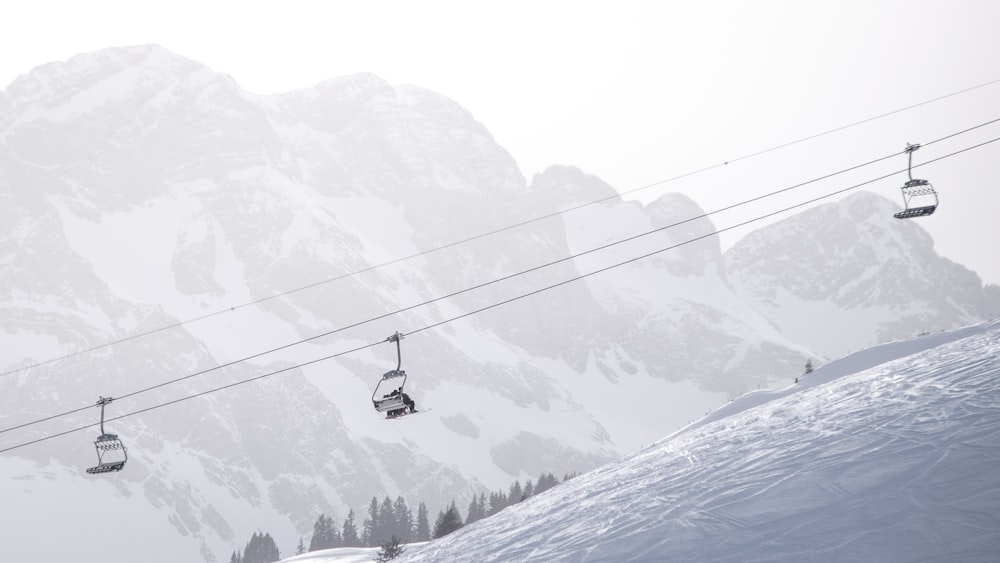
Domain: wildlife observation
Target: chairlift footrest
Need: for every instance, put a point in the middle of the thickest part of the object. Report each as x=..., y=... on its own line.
x=915, y=212
x=106, y=467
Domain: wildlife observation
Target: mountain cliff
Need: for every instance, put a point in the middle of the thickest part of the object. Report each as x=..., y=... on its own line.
x=840, y=277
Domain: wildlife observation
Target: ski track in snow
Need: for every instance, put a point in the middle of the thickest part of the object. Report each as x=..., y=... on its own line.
x=896, y=463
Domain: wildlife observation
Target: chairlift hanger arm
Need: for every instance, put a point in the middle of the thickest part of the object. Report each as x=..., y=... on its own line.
x=909, y=151
x=103, y=401
x=396, y=337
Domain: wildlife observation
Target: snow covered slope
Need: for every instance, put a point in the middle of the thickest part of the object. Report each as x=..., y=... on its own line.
x=339, y=554
x=894, y=463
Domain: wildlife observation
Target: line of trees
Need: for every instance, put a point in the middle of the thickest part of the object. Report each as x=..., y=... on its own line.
x=389, y=521
x=385, y=520
x=260, y=549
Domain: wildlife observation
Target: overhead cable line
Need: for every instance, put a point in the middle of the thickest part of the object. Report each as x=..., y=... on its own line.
x=494, y=281
x=695, y=239
x=509, y=300
x=861, y=122
x=185, y=398
x=478, y=286
x=485, y=234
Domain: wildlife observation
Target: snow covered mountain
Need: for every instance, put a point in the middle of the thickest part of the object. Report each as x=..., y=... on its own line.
x=839, y=277
x=675, y=310
x=895, y=462
x=140, y=188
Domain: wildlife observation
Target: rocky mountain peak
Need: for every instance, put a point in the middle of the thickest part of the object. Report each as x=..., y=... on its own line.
x=851, y=257
x=97, y=81
x=562, y=186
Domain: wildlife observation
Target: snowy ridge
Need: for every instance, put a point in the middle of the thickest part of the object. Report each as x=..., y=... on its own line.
x=859, y=361
x=894, y=463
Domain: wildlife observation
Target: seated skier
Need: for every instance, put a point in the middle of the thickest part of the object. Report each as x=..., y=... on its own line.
x=409, y=403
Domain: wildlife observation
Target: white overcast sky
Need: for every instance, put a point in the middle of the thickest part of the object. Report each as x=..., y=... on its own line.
x=634, y=92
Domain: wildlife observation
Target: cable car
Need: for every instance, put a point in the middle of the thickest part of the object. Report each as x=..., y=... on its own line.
x=919, y=197
x=111, y=452
x=389, y=395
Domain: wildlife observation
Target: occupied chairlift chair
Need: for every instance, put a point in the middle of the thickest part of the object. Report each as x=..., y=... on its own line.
x=919, y=197
x=108, y=445
x=389, y=396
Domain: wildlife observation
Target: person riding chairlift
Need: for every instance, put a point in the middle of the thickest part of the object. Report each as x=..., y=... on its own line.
x=410, y=403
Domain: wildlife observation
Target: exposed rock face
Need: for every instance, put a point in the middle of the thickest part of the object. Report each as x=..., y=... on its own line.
x=673, y=311
x=842, y=276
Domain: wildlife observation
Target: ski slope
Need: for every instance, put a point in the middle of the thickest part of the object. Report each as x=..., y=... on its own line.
x=340, y=555
x=899, y=461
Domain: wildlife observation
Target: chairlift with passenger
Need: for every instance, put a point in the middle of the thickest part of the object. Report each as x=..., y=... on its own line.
x=919, y=197
x=111, y=452
x=389, y=395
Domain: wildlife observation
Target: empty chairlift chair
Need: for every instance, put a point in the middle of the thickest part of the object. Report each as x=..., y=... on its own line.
x=919, y=197
x=111, y=452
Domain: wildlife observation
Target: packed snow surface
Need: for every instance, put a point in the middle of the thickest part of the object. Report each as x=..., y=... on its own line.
x=895, y=462
x=339, y=554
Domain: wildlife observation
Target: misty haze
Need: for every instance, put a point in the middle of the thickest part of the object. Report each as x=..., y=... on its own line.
x=588, y=377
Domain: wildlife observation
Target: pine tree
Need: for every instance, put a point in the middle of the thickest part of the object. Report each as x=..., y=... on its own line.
x=473, y=513
x=251, y=548
x=529, y=490
x=545, y=482
x=350, y=538
x=333, y=533
x=369, y=527
x=389, y=550
x=237, y=557
x=328, y=535
x=447, y=521
x=321, y=533
x=809, y=366
x=261, y=549
x=301, y=548
x=423, y=532
x=331, y=536
x=386, y=523
x=498, y=501
x=404, y=520
x=481, y=505
x=515, y=494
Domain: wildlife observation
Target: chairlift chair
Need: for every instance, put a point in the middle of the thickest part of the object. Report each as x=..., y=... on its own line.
x=919, y=197
x=389, y=396
x=111, y=452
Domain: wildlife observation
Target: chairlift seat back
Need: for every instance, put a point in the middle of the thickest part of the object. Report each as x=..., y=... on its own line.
x=383, y=405
x=110, y=445
x=383, y=398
